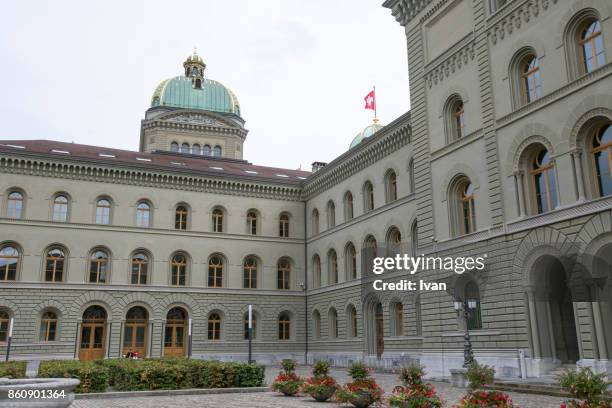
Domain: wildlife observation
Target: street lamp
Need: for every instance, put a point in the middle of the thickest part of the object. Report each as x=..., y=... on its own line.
x=466, y=306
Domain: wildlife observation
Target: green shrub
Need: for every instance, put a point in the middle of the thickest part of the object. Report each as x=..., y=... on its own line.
x=479, y=376
x=155, y=374
x=13, y=369
x=585, y=385
x=93, y=377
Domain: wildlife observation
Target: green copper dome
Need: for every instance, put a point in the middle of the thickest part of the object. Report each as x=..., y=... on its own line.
x=193, y=91
x=365, y=133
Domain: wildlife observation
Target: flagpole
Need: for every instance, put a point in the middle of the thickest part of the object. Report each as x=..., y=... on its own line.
x=375, y=115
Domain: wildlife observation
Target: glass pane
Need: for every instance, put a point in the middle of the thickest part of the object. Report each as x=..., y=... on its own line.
x=180, y=336
x=85, y=335
x=128, y=333
x=140, y=336
x=98, y=337
x=552, y=188
x=168, y=336
x=52, y=329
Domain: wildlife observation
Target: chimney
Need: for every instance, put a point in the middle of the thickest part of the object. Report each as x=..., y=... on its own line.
x=316, y=166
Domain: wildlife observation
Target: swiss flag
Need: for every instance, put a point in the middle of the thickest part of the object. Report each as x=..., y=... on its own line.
x=370, y=101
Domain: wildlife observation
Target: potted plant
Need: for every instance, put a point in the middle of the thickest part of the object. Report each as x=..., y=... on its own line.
x=363, y=391
x=480, y=377
x=321, y=386
x=287, y=381
x=586, y=386
x=414, y=393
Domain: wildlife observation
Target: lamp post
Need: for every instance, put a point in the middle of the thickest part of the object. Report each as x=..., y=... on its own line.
x=466, y=307
x=250, y=334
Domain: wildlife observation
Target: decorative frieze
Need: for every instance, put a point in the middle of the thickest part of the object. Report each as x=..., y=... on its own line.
x=147, y=178
x=513, y=16
x=451, y=64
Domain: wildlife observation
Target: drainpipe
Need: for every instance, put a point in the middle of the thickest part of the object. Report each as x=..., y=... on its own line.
x=305, y=288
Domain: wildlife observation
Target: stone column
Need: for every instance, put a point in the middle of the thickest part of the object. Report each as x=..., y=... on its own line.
x=599, y=331
x=576, y=155
x=551, y=332
x=533, y=321
x=518, y=183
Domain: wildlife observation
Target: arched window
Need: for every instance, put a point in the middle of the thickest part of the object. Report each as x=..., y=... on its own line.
x=368, y=196
x=352, y=321
x=143, y=214
x=214, y=326
x=253, y=325
x=528, y=78
x=54, y=265
x=178, y=270
x=60, y=208
x=140, y=269
x=414, y=238
x=332, y=267
x=391, y=186
x=331, y=214
x=602, y=159
x=411, y=175
x=174, y=147
x=590, y=45
x=462, y=207
x=14, y=205
x=48, y=326
x=397, y=310
x=99, y=265
x=103, y=211
x=217, y=220
x=316, y=271
x=283, y=226
x=195, y=149
x=348, y=206
x=370, y=249
x=5, y=321
x=9, y=263
x=252, y=223
x=174, y=332
x=206, y=150
x=316, y=323
x=217, y=151
x=250, y=273
x=455, y=118
x=350, y=261
x=333, y=323
x=544, y=188
x=215, y=271
x=283, y=275
x=315, y=221
x=135, y=331
x=181, y=215
x=284, y=327
x=394, y=241
x=185, y=148
x=471, y=292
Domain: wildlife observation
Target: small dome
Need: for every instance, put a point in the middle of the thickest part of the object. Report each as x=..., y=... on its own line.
x=365, y=133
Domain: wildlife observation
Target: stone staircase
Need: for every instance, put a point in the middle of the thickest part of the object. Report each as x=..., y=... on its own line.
x=547, y=384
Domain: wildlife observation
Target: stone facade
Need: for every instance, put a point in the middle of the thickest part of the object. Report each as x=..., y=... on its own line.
x=546, y=244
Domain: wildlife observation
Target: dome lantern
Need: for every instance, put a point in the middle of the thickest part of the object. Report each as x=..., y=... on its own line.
x=194, y=68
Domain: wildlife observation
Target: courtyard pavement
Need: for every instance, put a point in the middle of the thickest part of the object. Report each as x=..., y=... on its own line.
x=273, y=400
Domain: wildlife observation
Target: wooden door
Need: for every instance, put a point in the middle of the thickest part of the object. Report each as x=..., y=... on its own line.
x=174, y=338
x=93, y=336
x=135, y=337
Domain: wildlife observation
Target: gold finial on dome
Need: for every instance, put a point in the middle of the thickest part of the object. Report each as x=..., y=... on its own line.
x=375, y=120
x=194, y=68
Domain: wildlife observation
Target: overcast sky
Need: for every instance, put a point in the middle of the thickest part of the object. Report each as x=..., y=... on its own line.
x=84, y=71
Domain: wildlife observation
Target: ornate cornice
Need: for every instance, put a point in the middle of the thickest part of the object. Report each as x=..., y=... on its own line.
x=158, y=178
x=511, y=17
x=455, y=59
x=386, y=141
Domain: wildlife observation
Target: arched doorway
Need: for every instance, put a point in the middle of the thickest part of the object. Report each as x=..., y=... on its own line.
x=93, y=334
x=554, y=329
x=602, y=273
x=380, y=330
x=175, y=333
x=135, y=331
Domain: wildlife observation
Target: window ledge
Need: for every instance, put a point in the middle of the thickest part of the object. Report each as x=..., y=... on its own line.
x=473, y=333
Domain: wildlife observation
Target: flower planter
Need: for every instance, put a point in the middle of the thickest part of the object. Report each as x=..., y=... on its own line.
x=288, y=390
x=324, y=394
x=363, y=399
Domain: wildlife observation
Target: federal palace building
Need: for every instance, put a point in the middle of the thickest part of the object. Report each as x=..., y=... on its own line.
x=506, y=151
